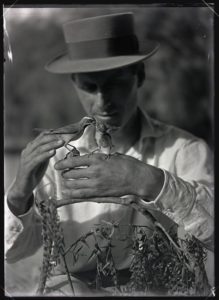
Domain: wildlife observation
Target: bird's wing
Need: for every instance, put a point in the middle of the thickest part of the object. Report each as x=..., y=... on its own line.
x=71, y=128
x=76, y=127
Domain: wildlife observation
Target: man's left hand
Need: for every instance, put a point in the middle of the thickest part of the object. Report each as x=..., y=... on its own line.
x=90, y=176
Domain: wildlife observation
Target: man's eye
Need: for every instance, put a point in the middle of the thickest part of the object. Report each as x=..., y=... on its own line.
x=118, y=82
x=89, y=87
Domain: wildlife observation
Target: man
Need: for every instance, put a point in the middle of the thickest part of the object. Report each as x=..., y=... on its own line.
x=168, y=170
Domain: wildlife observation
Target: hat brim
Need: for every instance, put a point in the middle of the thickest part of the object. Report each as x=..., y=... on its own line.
x=62, y=64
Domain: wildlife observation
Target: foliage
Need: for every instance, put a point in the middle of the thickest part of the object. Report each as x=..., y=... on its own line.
x=161, y=263
x=157, y=266
x=53, y=242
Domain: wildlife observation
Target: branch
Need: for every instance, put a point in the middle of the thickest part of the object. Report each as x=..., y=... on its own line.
x=178, y=249
x=117, y=200
x=131, y=201
x=68, y=274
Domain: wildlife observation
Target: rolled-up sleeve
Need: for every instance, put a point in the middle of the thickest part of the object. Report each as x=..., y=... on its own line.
x=22, y=234
x=187, y=196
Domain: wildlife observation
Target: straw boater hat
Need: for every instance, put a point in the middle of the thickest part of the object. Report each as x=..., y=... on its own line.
x=101, y=43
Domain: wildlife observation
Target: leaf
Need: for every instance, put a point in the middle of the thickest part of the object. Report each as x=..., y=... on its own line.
x=94, y=252
x=89, y=234
x=97, y=247
x=78, y=250
x=85, y=242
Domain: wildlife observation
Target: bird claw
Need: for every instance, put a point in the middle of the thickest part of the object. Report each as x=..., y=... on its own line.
x=72, y=152
x=107, y=156
x=92, y=152
x=116, y=153
x=89, y=155
x=66, y=145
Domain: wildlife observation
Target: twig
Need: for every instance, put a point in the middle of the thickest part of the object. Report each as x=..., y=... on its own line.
x=78, y=240
x=68, y=274
x=67, y=201
x=168, y=236
x=178, y=250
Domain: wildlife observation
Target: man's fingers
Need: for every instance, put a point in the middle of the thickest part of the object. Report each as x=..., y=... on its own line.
x=80, y=193
x=80, y=161
x=50, y=146
x=42, y=139
x=72, y=162
x=42, y=149
x=78, y=184
x=40, y=158
x=76, y=173
x=33, y=150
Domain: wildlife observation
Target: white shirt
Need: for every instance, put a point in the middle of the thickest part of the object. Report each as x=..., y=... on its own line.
x=185, y=198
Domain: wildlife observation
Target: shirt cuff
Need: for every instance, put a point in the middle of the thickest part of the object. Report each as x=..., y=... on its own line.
x=152, y=204
x=30, y=205
x=176, y=198
x=25, y=218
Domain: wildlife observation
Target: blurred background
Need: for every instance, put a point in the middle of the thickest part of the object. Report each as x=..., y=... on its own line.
x=178, y=87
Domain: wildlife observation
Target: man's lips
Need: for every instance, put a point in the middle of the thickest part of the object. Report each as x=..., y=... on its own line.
x=106, y=114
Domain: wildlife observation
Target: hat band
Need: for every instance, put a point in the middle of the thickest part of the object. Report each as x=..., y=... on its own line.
x=127, y=45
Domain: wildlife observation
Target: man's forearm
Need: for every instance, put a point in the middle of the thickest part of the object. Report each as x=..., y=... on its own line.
x=152, y=181
x=17, y=205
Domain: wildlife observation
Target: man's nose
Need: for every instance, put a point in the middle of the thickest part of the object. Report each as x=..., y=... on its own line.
x=102, y=100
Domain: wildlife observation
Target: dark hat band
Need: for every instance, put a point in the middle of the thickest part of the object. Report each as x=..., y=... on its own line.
x=126, y=45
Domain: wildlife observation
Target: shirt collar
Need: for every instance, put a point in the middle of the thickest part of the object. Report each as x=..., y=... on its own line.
x=151, y=127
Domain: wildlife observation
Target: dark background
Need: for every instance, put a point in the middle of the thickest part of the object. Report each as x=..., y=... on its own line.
x=178, y=88
x=179, y=81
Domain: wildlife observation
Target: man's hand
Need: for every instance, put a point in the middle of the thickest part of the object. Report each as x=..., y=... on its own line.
x=32, y=166
x=93, y=176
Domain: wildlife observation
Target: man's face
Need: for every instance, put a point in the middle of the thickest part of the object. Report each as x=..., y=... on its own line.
x=109, y=96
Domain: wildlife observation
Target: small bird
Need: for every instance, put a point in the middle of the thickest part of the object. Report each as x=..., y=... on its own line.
x=71, y=132
x=74, y=131
x=103, y=138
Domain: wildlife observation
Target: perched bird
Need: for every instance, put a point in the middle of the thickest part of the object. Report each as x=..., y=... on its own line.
x=71, y=132
x=103, y=138
x=74, y=131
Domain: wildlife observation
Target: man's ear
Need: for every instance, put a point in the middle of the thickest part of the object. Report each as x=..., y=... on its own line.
x=141, y=74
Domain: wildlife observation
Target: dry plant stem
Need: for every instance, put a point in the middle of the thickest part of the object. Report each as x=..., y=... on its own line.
x=116, y=200
x=42, y=280
x=132, y=201
x=168, y=236
x=70, y=247
x=127, y=202
x=68, y=274
x=47, y=250
x=53, y=243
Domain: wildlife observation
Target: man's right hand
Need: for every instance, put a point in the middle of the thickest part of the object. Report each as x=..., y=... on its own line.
x=32, y=166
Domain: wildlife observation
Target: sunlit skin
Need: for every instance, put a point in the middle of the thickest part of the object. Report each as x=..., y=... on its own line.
x=111, y=97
